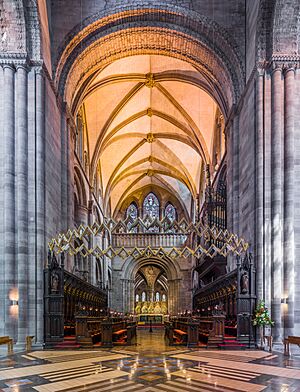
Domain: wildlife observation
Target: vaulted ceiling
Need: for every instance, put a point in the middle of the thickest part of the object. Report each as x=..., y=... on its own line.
x=150, y=123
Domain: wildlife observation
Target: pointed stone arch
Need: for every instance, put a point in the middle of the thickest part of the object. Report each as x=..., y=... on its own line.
x=140, y=29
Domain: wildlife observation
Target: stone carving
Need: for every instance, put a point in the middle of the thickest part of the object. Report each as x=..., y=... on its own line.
x=158, y=307
x=145, y=308
x=150, y=276
x=244, y=283
x=151, y=308
x=138, y=308
x=54, y=282
x=164, y=308
x=150, y=82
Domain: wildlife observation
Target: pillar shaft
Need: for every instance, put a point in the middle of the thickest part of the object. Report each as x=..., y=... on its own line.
x=276, y=201
x=288, y=231
x=259, y=235
x=22, y=199
x=40, y=201
x=9, y=199
x=235, y=173
x=2, y=266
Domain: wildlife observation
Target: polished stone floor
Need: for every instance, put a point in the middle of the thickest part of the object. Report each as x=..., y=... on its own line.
x=149, y=366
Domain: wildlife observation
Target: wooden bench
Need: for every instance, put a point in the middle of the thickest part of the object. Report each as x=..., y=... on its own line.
x=230, y=330
x=180, y=336
x=290, y=340
x=120, y=335
x=69, y=330
x=205, y=330
x=182, y=330
x=88, y=330
x=7, y=340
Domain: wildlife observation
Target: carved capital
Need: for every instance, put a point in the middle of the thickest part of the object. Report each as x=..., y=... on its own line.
x=285, y=62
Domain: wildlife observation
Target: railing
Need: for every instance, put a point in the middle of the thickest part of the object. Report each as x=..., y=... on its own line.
x=141, y=240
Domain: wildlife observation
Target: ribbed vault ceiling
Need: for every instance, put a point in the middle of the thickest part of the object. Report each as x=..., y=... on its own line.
x=151, y=123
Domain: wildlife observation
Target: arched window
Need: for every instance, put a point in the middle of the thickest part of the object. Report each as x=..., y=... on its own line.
x=151, y=209
x=151, y=206
x=164, y=298
x=170, y=212
x=137, y=298
x=132, y=212
x=157, y=296
x=143, y=296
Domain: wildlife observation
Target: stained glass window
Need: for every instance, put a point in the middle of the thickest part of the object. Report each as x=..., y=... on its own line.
x=164, y=297
x=157, y=296
x=170, y=212
x=143, y=296
x=151, y=209
x=151, y=206
x=132, y=212
x=137, y=298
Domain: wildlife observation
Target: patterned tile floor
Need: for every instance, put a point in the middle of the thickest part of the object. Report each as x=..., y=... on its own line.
x=149, y=366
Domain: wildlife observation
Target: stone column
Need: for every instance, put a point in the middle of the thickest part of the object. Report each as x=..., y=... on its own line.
x=81, y=215
x=22, y=199
x=235, y=173
x=131, y=296
x=64, y=170
x=2, y=266
x=9, y=197
x=259, y=191
x=276, y=200
x=229, y=154
x=90, y=258
x=40, y=201
x=289, y=179
x=127, y=296
x=71, y=141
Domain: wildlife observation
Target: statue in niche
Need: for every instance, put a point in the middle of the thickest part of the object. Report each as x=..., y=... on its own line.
x=145, y=308
x=164, y=308
x=54, y=282
x=138, y=308
x=244, y=283
x=151, y=308
x=157, y=308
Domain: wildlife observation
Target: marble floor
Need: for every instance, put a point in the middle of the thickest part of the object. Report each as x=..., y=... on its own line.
x=149, y=366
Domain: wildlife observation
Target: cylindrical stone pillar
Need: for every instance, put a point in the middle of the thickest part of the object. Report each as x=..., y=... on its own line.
x=22, y=199
x=40, y=201
x=2, y=266
x=235, y=173
x=289, y=178
x=276, y=201
x=11, y=292
x=259, y=191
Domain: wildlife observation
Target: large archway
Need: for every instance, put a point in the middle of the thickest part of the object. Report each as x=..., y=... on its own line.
x=188, y=36
x=166, y=271
x=151, y=289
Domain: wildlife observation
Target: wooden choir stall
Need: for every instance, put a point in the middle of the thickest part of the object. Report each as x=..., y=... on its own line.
x=76, y=312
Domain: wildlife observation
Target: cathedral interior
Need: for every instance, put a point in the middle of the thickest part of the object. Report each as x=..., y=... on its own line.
x=149, y=209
